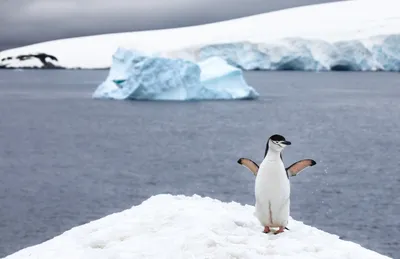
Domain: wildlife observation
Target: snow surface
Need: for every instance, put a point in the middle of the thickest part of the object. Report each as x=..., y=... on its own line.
x=137, y=76
x=297, y=38
x=180, y=227
x=31, y=63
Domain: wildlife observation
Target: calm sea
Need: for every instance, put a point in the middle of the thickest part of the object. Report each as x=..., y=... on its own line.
x=66, y=159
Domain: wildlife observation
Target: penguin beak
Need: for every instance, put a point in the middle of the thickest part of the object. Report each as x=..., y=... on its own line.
x=287, y=143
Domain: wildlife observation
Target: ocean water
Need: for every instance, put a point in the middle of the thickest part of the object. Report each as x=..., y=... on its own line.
x=66, y=159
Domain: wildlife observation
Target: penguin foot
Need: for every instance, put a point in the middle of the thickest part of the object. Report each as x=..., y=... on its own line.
x=280, y=230
x=266, y=230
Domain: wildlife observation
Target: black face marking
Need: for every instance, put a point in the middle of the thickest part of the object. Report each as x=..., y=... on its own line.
x=275, y=138
x=266, y=149
x=284, y=142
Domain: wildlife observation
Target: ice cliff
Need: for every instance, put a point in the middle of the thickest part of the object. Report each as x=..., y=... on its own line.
x=381, y=53
x=136, y=76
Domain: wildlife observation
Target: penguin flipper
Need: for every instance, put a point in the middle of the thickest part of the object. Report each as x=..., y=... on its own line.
x=299, y=166
x=250, y=164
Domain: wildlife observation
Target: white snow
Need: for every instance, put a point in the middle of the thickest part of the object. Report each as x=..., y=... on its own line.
x=180, y=227
x=32, y=63
x=316, y=27
x=141, y=77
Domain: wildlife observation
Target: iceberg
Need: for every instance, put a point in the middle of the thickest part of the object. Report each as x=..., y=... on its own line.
x=177, y=226
x=357, y=35
x=136, y=76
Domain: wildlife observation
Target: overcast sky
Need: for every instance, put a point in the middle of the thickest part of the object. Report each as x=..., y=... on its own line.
x=24, y=22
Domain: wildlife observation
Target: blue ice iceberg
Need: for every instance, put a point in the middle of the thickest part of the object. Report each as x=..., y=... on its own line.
x=135, y=76
x=378, y=53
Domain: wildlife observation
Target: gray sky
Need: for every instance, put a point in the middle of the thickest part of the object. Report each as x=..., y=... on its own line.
x=29, y=21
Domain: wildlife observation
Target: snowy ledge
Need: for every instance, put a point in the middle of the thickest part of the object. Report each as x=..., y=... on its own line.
x=357, y=35
x=167, y=226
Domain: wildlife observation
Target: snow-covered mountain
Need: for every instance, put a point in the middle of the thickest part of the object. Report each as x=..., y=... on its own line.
x=347, y=35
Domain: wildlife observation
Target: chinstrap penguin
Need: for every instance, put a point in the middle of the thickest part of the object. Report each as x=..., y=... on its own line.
x=272, y=186
x=292, y=170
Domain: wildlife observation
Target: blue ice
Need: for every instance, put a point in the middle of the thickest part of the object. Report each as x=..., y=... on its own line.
x=135, y=76
x=378, y=53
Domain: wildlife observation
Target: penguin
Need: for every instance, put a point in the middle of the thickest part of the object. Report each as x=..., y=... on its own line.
x=272, y=186
x=291, y=171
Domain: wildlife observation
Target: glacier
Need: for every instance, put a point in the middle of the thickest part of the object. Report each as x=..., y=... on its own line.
x=178, y=226
x=357, y=35
x=379, y=53
x=136, y=76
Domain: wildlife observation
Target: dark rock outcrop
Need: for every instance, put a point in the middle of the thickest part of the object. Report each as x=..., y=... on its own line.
x=41, y=56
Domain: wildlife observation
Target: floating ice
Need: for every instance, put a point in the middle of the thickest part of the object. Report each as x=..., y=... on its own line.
x=136, y=76
x=178, y=227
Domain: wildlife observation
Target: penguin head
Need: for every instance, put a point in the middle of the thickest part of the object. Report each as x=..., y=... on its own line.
x=277, y=143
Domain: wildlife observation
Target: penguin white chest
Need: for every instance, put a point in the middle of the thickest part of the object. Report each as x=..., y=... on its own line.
x=272, y=193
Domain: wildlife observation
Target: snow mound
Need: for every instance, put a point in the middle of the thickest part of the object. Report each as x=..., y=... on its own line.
x=136, y=76
x=166, y=226
x=348, y=35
